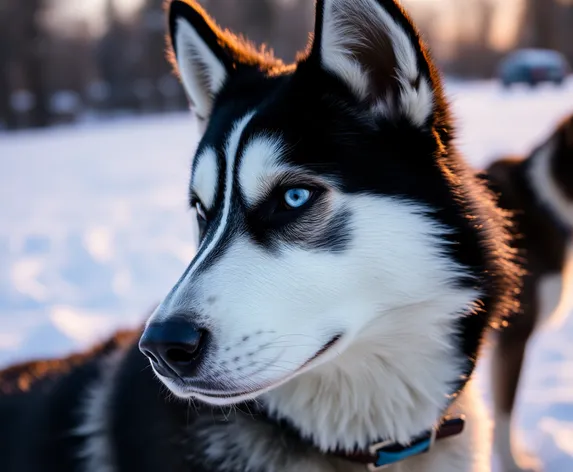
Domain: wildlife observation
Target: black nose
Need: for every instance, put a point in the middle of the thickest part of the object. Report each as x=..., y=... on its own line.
x=174, y=347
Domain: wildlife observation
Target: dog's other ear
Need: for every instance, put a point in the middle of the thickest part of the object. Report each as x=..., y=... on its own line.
x=372, y=46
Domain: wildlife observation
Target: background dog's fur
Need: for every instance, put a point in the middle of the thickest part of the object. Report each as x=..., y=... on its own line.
x=538, y=190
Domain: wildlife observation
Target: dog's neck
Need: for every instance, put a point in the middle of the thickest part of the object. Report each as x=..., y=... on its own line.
x=377, y=389
x=272, y=447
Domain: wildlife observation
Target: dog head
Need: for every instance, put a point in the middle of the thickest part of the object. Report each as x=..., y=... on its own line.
x=550, y=170
x=333, y=223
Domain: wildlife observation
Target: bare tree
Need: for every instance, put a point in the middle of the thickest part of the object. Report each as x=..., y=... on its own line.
x=473, y=54
x=7, y=115
x=117, y=55
x=34, y=42
x=540, y=22
x=282, y=25
x=22, y=43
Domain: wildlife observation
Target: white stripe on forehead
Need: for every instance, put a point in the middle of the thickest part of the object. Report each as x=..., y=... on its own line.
x=230, y=158
x=260, y=160
x=231, y=148
x=205, y=177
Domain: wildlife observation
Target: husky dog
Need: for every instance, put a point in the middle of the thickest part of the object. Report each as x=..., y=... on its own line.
x=348, y=266
x=538, y=190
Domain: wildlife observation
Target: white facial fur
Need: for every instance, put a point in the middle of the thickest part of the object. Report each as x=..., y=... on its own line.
x=205, y=177
x=257, y=170
x=390, y=295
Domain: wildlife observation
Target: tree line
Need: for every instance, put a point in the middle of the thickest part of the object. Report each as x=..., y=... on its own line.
x=54, y=70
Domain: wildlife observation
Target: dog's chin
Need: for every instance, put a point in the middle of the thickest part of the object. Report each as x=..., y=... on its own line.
x=224, y=398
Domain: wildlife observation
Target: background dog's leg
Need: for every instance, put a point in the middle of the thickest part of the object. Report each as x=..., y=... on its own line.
x=507, y=361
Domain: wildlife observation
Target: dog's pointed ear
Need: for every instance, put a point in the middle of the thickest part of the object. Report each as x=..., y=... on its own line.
x=204, y=55
x=198, y=54
x=372, y=46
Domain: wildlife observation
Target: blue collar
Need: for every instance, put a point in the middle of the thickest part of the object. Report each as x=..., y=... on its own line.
x=386, y=453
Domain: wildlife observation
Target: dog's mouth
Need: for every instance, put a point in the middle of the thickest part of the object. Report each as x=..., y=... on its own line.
x=322, y=350
x=219, y=397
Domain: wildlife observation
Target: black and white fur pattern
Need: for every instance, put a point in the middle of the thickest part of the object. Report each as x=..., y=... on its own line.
x=355, y=318
x=538, y=190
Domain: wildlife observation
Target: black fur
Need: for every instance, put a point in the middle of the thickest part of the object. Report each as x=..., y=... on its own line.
x=41, y=406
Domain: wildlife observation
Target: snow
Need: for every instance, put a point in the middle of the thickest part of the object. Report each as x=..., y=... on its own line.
x=94, y=230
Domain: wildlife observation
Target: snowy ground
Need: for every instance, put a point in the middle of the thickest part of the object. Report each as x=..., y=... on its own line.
x=94, y=230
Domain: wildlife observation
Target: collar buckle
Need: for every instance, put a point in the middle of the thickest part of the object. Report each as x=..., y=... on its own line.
x=388, y=453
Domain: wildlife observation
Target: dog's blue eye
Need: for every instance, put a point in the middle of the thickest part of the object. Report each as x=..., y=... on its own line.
x=297, y=197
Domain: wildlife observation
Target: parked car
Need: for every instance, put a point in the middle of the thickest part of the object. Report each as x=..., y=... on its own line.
x=533, y=66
